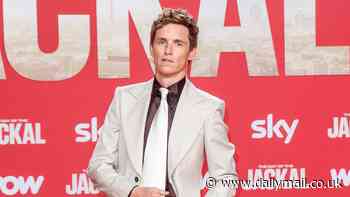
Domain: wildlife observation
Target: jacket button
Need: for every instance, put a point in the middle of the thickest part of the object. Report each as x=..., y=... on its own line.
x=136, y=179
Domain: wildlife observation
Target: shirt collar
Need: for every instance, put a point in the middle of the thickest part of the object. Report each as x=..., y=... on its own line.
x=174, y=90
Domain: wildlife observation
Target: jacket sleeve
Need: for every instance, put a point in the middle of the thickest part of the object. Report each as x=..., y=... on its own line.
x=102, y=170
x=219, y=153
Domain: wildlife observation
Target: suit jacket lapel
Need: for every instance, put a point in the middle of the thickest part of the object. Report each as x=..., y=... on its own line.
x=135, y=122
x=184, y=128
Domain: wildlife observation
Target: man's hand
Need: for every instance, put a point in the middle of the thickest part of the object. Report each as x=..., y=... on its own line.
x=148, y=192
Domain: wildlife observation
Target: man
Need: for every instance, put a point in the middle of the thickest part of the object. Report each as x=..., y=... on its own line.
x=156, y=133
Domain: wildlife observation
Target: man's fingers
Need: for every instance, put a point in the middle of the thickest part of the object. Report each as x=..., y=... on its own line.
x=164, y=193
x=155, y=192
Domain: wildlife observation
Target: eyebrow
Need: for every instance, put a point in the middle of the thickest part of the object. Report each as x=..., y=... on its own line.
x=179, y=41
x=176, y=40
x=160, y=38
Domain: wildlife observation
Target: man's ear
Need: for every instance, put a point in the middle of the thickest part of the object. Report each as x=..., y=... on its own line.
x=192, y=54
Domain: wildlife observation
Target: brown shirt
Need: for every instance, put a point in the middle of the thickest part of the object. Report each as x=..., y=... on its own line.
x=172, y=98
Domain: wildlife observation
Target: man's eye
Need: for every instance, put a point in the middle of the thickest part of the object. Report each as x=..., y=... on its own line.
x=180, y=44
x=161, y=42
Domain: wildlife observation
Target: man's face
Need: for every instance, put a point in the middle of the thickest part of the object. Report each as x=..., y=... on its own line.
x=171, y=50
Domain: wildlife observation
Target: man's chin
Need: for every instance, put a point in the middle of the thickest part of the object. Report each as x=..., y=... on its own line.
x=166, y=74
x=166, y=69
x=166, y=65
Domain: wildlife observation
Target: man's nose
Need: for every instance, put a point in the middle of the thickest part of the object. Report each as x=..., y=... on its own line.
x=168, y=49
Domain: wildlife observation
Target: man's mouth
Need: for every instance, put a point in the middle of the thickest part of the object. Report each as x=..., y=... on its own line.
x=167, y=60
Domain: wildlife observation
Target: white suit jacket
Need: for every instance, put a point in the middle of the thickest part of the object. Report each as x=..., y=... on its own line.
x=197, y=130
